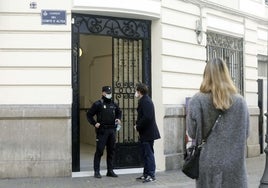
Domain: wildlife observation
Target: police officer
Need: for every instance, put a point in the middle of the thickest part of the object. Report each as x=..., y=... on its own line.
x=108, y=115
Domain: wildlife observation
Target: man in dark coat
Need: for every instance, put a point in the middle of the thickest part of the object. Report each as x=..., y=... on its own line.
x=108, y=116
x=148, y=132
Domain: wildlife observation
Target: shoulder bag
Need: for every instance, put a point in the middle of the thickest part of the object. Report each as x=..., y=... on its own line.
x=191, y=161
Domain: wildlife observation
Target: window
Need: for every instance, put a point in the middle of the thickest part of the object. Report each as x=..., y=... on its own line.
x=262, y=66
x=229, y=49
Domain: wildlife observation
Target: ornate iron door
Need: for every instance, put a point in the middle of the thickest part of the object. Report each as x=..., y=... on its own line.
x=131, y=64
x=127, y=71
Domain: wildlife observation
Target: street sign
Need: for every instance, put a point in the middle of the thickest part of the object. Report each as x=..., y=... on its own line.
x=53, y=17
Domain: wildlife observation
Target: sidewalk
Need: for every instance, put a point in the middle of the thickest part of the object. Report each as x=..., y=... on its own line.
x=168, y=179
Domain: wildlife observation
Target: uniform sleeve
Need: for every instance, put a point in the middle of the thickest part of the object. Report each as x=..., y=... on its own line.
x=91, y=113
x=118, y=112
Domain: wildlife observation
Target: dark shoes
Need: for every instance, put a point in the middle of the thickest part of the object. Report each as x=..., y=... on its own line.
x=111, y=173
x=142, y=177
x=97, y=175
x=145, y=178
x=149, y=179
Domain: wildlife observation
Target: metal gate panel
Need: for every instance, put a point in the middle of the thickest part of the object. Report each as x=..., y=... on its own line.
x=127, y=72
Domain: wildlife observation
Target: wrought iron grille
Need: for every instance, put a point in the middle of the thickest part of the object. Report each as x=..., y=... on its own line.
x=127, y=72
x=109, y=26
x=229, y=49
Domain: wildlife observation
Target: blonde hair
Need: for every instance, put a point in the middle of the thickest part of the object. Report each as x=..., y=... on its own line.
x=217, y=81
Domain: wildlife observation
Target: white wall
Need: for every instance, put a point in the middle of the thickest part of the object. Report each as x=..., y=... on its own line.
x=183, y=59
x=35, y=66
x=133, y=8
x=234, y=4
x=254, y=7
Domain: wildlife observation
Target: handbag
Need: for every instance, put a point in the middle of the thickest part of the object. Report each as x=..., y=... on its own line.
x=191, y=161
x=191, y=164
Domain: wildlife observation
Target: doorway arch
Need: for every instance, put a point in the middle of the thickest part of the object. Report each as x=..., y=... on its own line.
x=130, y=34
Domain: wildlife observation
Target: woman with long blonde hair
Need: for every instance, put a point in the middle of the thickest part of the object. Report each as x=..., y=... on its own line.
x=217, y=81
x=222, y=159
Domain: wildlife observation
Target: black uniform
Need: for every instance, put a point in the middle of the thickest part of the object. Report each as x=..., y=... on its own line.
x=106, y=111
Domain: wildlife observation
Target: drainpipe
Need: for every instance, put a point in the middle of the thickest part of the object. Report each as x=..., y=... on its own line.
x=264, y=179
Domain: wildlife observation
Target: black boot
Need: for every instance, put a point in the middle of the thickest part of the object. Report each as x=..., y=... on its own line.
x=111, y=173
x=97, y=174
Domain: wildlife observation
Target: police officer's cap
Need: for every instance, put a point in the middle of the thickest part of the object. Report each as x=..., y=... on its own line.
x=107, y=89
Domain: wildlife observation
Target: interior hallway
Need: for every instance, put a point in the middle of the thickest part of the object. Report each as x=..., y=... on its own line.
x=87, y=155
x=86, y=163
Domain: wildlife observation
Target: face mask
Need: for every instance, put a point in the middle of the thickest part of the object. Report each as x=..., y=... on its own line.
x=137, y=94
x=108, y=96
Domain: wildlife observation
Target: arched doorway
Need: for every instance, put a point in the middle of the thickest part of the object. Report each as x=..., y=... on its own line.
x=130, y=64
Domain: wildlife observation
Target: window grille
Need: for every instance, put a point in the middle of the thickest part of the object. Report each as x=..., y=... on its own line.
x=262, y=69
x=262, y=66
x=229, y=49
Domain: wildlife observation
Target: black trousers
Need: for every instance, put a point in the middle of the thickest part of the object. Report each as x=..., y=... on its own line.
x=105, y=137
x=147, y=152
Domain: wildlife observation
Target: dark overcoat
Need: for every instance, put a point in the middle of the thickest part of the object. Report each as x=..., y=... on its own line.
x=146, y=123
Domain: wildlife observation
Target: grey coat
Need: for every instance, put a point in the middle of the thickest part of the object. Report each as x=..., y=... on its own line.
x=222, y=159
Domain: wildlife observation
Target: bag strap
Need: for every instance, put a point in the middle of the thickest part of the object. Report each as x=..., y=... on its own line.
x=209, y=132
x=213, y=127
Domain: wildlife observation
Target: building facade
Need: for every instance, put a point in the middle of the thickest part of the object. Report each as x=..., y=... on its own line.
x=56, y=56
